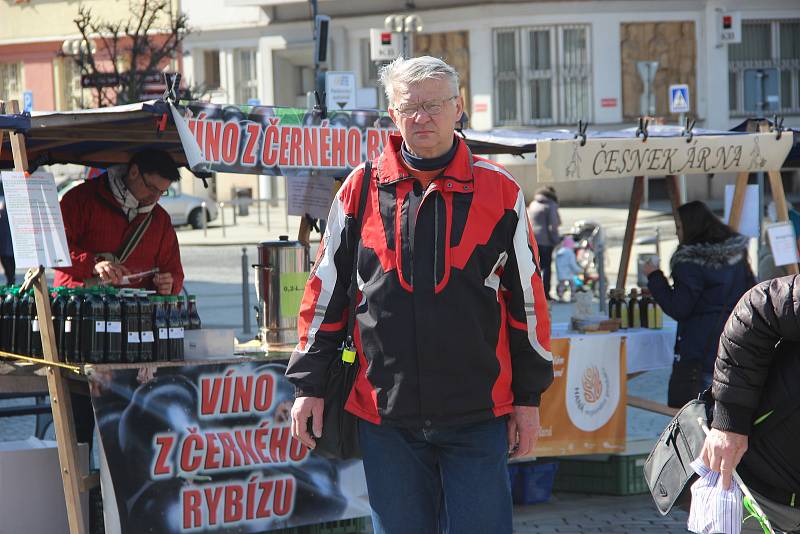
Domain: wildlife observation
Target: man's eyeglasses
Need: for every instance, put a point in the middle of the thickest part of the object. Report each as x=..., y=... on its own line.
x=153, y=189
x=431, y=107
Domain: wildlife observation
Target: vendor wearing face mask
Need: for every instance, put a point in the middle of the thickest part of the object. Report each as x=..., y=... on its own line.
x=115, y=228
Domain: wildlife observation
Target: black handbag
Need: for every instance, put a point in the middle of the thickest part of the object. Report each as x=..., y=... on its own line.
x=339, y=438
x=667, y=470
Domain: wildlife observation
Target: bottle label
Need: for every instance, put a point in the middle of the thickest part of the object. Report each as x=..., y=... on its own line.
x=35, y=325
x=176, y=333
x=148, y=337
x=68, y=325
x=163, y=333
x=133, y=337
x=114, y=327
x=99, y=326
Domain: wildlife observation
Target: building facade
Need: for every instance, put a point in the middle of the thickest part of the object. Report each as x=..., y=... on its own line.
x=548, y=64
x=33, y=55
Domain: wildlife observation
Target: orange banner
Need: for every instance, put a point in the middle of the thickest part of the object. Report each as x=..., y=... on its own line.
x=583, y=412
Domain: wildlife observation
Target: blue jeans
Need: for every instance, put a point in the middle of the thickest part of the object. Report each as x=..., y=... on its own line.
x=449, y=480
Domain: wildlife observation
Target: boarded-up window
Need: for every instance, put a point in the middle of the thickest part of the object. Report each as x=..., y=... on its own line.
x=452, y=47
x=674, y=46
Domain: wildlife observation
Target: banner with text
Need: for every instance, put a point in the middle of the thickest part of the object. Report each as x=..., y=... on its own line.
x=279, y=141
x=583, y=411
x=208, y=448
x=660, y=156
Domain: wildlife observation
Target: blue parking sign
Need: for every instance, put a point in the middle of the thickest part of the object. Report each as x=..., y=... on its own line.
x=27, y=101
x=679, y=98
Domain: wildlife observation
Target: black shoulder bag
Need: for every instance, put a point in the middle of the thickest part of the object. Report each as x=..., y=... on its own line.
x=339, y=438
x=667, y=470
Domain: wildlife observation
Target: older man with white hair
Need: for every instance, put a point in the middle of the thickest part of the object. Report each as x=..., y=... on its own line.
x=452, y=330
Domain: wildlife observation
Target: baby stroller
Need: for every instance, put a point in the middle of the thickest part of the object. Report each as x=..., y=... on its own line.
x=589, y=241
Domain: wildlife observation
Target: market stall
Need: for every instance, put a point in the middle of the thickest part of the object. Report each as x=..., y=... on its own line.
x=194, y=442
x=665, y=151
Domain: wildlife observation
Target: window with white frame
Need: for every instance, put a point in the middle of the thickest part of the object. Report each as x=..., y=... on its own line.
x=245, y=74
x=542, y=75
x=70, y=84
x=11, y=82
x=764, y=69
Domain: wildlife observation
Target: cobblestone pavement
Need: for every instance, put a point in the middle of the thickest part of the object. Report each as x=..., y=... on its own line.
x=576, y=513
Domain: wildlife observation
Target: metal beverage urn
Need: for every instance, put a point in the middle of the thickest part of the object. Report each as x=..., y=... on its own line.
x=281, y=273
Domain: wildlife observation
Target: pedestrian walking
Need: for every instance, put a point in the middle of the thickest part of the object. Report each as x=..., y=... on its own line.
x=545, y=219
x=452, y=329
x=710, y=272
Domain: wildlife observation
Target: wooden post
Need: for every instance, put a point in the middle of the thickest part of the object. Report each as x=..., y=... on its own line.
x=738, y=200
x=630, y=230
x=779, y=196
x=18, y=144
x=740, y=189
x=61, y=404
x=60, y=401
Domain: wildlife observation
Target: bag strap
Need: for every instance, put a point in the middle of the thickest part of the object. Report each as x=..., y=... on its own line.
x=134, y=239
x=366, y=178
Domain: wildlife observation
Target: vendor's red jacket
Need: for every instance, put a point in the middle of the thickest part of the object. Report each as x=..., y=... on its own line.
x=95, y=223
x=452, y=325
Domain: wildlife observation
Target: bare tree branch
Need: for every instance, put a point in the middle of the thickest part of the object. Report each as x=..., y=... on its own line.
x=145, y=42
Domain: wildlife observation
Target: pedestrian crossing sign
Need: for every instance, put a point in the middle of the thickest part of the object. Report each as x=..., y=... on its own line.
x=679, y=98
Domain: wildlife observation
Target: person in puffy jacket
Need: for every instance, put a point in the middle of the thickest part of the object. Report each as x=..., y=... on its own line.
x=710, y=271
x=756, y=394
x=545, y=220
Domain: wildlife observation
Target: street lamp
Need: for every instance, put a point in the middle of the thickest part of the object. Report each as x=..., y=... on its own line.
x=406, y=25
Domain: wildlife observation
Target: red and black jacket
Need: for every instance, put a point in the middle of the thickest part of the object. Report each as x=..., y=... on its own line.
x=452, y=325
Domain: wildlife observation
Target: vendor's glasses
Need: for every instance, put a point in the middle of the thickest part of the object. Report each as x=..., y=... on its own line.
x=153, y=189
x=431, y=107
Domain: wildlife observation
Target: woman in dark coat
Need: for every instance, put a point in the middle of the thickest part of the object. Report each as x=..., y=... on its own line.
x=710, y=271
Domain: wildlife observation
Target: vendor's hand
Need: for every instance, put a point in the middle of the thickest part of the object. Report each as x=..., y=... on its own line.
x=163, y=283
x=523, y=430
x=722, y=452
x=110, y=272
x=303, y=408
x=649, y=267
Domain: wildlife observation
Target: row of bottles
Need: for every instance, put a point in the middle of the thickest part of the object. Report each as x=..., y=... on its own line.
x=99, y=325
x=635, y=312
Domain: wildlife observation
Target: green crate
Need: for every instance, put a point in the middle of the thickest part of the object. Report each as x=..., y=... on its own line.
x=356, y=525
x=611, y=475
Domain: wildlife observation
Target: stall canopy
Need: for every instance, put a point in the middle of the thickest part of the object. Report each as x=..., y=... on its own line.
x=259, y=139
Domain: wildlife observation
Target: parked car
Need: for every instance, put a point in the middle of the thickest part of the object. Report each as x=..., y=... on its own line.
x=182, y=208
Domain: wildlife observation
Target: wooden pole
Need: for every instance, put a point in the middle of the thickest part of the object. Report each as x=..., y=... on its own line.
x=779, y=196
x=738, y=200
x=60, y=401
x=18, y=144
x=630, y=230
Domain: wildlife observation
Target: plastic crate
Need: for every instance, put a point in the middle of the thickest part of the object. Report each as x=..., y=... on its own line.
x=532, y=483
x=356, y=525
x=612, y=475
